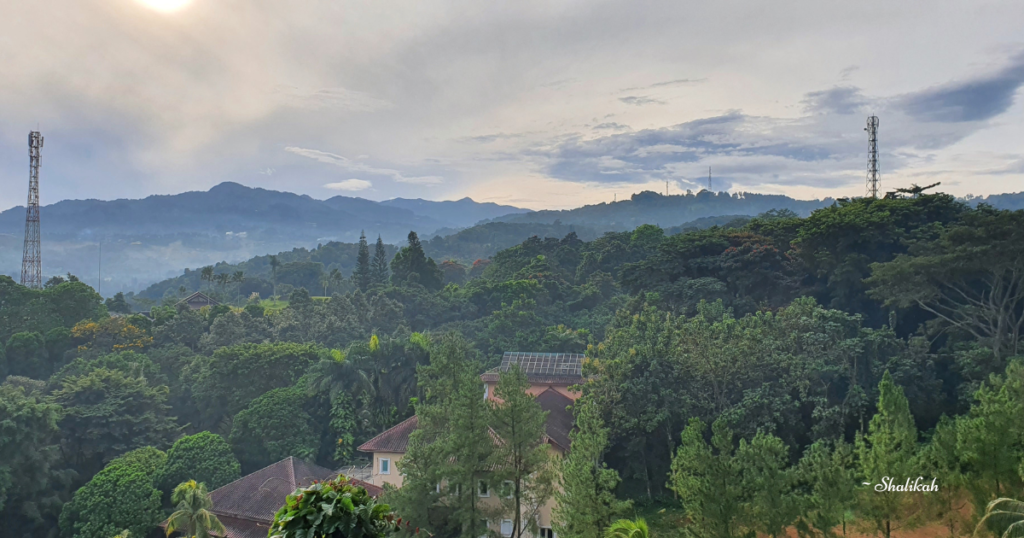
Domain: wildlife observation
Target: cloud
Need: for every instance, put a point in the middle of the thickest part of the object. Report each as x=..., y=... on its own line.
x=331, y=98
x=349, y=185
x=838, y=100
x=640, y=100
x=676, y=82
x=612, y=126
x=352, y=166
x=976, y=99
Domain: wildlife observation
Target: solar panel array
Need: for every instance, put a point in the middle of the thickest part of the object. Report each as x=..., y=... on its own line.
x=563, y=364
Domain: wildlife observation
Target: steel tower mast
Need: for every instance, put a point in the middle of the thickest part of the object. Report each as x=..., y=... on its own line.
x=31, y=264
x=873, y=180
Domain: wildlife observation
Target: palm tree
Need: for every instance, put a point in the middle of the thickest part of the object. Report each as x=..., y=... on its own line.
x=325, y=280
x=1005, y=517
x=238, y=278
x=336, y=277
x=207, y=274
x=192, y=516
x=625, y=528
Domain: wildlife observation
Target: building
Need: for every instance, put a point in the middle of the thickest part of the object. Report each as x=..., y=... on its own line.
x=551, y=376
x=197, y=300
x=247, y=506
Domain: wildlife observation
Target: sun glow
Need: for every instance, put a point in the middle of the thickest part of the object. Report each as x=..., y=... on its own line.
x=165, y=6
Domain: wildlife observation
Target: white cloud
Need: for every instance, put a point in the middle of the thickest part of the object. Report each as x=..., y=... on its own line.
x=349, y=185
x=348, y=164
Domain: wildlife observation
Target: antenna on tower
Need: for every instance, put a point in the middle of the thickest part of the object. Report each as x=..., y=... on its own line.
x=873, y=181
x=31, y=265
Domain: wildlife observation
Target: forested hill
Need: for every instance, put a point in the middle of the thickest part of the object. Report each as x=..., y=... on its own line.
x=873, y=338
x=673, y=210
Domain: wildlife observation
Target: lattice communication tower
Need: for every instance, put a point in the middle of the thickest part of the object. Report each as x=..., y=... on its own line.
x=31, y=260
x=873, y=181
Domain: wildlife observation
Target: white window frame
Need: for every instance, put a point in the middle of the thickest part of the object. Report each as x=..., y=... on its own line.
x=380, y=465
x=511, y=528
x=487, y=390
x=485, y=491
x=547, y=532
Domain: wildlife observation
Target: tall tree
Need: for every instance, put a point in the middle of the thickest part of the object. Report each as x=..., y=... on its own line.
x=362, y=274
x=521, y=458
x=379, y=266
x=412, y=265
x=274, y=266
x=708, y=479
x=773, y=504
x=586, y=500
x=204, y=457
x=192, y=516
x=452, y=446
x=827, y=471
x=888, y=450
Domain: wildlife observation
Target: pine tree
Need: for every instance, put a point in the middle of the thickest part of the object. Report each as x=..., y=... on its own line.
x=828, y=474
x=586, y=502
x=411, y=264
x=773, y=503
x=708, y=481
x=379, y=266
x=451, y=448
x=521, y=458
x=361, y=274
x=888, y=450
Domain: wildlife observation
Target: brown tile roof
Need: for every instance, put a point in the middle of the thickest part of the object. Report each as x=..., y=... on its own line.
x=259, y=495
x=560, y=420
x=394, y=439
x=244, y=528
x=371, y=490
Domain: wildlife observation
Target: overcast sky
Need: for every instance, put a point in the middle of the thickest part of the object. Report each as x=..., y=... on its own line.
x=541, y=104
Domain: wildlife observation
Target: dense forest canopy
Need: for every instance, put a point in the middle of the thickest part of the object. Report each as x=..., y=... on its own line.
x=871, y=334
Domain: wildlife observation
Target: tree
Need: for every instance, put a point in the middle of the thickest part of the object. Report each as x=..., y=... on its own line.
x=333, y=509
x=586, y=500
x=410, y=264
x=827, y=471
x=107, y=413
x=971, y=277
x=206, y=273
x=379, y=266
x=274, y=266
x=521, y=457
x=773, y=504
x=93, y=513
x=335, y=277
x=1005, y=517
x=362, y=274
x=204, y=457
x=626, y=528
x=273, y=427
x=31, y=481
x=27, y=356
x=888, y=450
x=709, y=482
x=940, y=459
x=192, y=516
x=451, y=448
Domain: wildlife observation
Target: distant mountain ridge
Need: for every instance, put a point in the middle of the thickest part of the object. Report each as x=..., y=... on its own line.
x=467, y=210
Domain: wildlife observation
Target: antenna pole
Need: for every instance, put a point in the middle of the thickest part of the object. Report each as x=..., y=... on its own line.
x=31, y=259
x=873, y=180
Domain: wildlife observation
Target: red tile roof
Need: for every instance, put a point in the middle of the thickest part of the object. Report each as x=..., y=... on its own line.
x=560, y=420
x=394, y=439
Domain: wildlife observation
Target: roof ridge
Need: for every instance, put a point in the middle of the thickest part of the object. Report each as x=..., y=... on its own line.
x=243, y=477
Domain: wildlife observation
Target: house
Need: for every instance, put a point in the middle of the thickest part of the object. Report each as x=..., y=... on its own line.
x=197, y=300
x=247, y=506
x=551, y=376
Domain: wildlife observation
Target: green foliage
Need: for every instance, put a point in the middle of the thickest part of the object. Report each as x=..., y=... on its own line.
x=332, y=509
x=204, y=457
x=107, y=413
x=264, y=367
x=273, y=427
x=521, y=458
x=121, y=496
x=586, y=500
x=411, y=265
x=888, y=450
x=708, y=480
x=626, y=528
x=192, y=516
x=27, y=356
x=363, y=274
x=31, y=483
x=828, y=474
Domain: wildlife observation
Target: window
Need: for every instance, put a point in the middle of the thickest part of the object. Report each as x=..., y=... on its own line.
x=385, y=466
x=483, y=528
x=506, y=527
x=547, y=532
x=482, y=489
x=486, y=390
x=508, y=489
x=438, y=488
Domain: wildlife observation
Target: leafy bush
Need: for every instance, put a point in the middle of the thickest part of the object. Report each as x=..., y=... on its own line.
x=333, y=509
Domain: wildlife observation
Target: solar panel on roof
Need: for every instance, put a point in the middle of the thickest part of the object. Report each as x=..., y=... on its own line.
x=565, y=364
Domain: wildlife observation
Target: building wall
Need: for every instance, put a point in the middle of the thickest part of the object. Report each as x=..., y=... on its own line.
x=394, y=477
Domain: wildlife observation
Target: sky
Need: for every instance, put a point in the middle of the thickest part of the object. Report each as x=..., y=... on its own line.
x=534, y=103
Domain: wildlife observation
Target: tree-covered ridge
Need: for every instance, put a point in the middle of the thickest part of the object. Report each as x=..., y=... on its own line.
x=791, y=358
